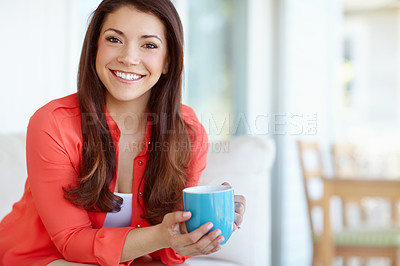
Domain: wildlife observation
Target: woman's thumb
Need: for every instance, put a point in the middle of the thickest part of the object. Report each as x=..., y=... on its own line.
x=171, y=219
x=182, y=216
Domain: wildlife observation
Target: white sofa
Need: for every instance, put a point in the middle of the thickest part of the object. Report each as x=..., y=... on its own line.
x=244, y=162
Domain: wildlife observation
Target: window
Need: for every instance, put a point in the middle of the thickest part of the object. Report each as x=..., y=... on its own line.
x=213, y=63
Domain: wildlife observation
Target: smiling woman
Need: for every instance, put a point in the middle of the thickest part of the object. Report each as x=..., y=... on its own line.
x=79, y=170
x=130, y=60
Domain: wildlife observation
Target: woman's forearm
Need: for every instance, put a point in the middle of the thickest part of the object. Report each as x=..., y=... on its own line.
x=142, y=241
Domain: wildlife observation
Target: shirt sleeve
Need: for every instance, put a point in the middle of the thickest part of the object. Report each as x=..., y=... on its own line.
x=69, y=227
x=196, y=167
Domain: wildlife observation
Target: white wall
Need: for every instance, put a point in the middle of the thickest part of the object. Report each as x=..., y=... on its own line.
x=260, y=66
x=308, y=85
x=373, y=112
x=259, y=82
x=40, y=54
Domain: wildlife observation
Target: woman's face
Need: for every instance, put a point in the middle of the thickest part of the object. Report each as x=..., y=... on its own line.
x=131, y=55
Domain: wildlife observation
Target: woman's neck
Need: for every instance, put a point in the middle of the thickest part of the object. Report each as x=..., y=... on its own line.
x=131, y=117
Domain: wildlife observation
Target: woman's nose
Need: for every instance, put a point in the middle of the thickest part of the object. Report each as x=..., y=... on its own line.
x=129, y=56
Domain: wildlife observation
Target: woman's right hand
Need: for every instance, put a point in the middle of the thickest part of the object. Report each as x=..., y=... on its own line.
x=189, y=244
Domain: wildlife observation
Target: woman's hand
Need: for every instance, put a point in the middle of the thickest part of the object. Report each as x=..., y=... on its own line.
x=189, y=244
x=240, y=208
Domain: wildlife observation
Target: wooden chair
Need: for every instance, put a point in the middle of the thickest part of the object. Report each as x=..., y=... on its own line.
x=344, y=157
x=346, y=165
x=345, y=242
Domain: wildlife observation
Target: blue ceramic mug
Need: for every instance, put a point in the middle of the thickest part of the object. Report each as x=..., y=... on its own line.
x=213, y=204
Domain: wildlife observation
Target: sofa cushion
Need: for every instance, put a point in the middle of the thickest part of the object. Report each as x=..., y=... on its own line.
x=245, y=162
x=367, y=236
x=13, y=170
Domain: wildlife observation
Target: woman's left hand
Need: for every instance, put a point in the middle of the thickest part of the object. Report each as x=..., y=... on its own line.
x=240, y=208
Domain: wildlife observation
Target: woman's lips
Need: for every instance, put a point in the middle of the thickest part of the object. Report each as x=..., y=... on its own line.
x=126, y=76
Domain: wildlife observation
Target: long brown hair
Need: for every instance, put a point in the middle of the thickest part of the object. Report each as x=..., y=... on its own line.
x=165, y=173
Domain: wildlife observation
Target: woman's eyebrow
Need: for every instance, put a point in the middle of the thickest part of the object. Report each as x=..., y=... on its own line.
x=143, y=36
x=152, y=36
x=117, y=31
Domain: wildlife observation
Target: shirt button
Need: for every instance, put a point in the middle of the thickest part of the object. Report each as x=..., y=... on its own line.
x=138, y=226
x=140, y=194
x=140, y=162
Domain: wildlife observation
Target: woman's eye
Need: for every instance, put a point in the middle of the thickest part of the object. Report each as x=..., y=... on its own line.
x=150, y=46
x=113, y=40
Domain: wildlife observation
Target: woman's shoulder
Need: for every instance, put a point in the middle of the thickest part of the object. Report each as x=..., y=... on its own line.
x=197, y=130
x=62, y=112
x=59, y=108
x=189, y=115
x=62, y=106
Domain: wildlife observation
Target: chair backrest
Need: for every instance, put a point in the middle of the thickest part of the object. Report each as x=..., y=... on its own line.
x=344, y=158
x=313, y=173
x=353, y=211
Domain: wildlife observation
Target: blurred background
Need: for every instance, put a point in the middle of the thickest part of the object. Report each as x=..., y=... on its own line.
x=325, y=70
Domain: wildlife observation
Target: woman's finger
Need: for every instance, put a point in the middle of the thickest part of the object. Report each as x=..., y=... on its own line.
x=238, y=219
x=172, y=221
x=216, y=239
x=206, y=244
x=184, y=240
x=240, y=208
x=241, y=200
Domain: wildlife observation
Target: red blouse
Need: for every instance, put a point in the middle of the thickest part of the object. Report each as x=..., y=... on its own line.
x=43, y=226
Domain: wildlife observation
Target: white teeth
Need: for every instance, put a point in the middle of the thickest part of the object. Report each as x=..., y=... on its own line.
x=127, y=76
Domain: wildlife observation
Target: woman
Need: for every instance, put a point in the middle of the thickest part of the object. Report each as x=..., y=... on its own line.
x=106, y=166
